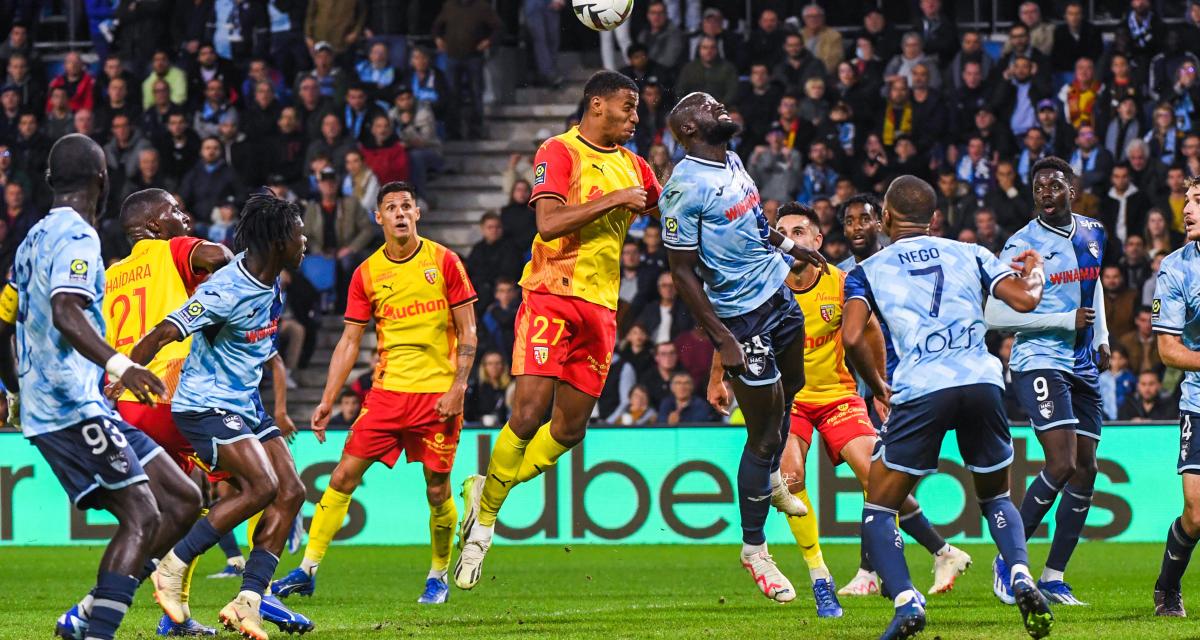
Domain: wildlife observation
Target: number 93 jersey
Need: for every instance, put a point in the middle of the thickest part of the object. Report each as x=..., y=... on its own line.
x=928, y=295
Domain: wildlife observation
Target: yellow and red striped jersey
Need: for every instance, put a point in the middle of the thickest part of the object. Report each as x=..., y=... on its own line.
x=826, y=377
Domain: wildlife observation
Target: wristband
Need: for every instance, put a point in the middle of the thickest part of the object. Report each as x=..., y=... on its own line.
x=118, y=365
x=787, y=245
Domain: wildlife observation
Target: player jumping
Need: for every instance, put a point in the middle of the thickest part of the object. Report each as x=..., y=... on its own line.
x=1054, y=364
x=587, y=189
x=101, y=461
x=233, y=316
x=748, y=312
x=423, y=305
x=1176, y=316
x=929, y=292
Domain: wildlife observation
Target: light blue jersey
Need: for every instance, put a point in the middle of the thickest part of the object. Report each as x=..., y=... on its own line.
x=59, y=387
x=848, y=266
x=928, y=295
x=1073, y=258
x=232, y=316
x=714, y=209
x=1176, y=311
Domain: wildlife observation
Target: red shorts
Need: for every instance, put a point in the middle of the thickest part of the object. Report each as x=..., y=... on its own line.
x=157, y=423
x=838, y=422
x=565, y=338
x=393, y=421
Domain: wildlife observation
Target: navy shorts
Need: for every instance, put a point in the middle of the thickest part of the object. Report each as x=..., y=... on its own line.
x=100, y=453
x=1056, y=399
x=1189, y=448
x=911, y=439
x=768, y=330
x=206, y=430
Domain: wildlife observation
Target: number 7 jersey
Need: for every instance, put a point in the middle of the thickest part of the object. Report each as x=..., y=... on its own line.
x=928, y=294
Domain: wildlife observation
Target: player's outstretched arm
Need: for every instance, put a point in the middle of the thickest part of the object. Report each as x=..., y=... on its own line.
x=67, y=310
x=683, y=272
x=1024, y=292
x=345, y=354
x=1175, y=354
x=801, y=254
x=451, y=403
x=556, y=219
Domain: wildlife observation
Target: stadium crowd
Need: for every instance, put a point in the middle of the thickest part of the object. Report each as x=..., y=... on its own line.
x=326, y=100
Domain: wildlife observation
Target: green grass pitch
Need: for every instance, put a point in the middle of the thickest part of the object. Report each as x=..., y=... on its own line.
x=613, y=592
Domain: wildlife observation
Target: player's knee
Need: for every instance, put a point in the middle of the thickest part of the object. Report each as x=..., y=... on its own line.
x=1085, y=472
x=290, y=493
x=344, y=481
x=1191, y=517
x=525, y=419
x=186, y=502
x=767, y=445
x=438, y=493
x=1060, y=471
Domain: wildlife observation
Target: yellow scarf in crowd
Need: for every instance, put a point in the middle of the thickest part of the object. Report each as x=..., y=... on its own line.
x=890, y=130
x=1080, y=101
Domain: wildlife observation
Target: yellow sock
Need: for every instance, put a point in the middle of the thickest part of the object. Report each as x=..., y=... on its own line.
x=442, y=519
x=327, y=521
x=186, y=593
x=251, y=525
x=541, y=454
x=805, y=530
x=507, y=454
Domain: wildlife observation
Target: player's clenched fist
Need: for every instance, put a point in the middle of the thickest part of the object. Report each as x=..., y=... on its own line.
x=144, y=385
x=632, y=198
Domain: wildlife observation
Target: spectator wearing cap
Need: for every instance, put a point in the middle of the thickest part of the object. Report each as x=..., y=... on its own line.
x=1091, y=161
x=729, y=46
x=428, y=84
x=19, y=75
x=664, y=41
x=971, y=51
x=215, y=106
x=938, y=34
x=338, y=23
x=331, y=80
x=123, y=148
x=384, y=152
x=208, y=66
x=776, y=168
x=261, y=115
x=464, y=30
x=1075, y=38
x=543, y=24
x=642, y=69
x=376, y=71
x=333, y=143
x=823, y=41
x=287, y=146
x=884, y=40
x=416, y=128
x=709, y=73
x=210, y=181
x=1144, y=29
x=337, y=227
x=911, y=54
x=797, y=66
x=77, y=82
x=1060, y=136
x=492, y=256
x=1017, y=96
x=766, y=40
x=179, y=148
x=162, y=69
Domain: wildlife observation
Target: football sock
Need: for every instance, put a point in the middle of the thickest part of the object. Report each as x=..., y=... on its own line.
x=507, y=454
x=754, y=493
x=1175, y=558
x=1038, y=499
x=864, y=562
x=541, y=453
x=251, y=525
x=806, y=532
x=114, y=594
x=327, y=520
x=230, y=546
x=921, y=529
x=442, y=519
x=186, y=593
x=199, y=539
x=147, y=569
x=1069, y=520
x=1004, y=521
x=885, y=546
x=260, y=568
x=785, y=431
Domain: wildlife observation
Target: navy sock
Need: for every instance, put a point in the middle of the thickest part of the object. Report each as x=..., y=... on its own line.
x=260, y=568
x=201, y=538
x=921, y=529
x=113, y=595
x=1068, y=520
x=754, y=496
x=147, y=569
x=1038, y=500
x=1176, y=557
x=885, y=547
x=785, y=430
x=229, y=545
x=1004, y=521
x=864, y=560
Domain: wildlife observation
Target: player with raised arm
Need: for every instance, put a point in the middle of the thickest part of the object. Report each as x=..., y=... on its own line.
x=232, y=317
x=1054, y=363
x=101, y=461
x=1175, y=314
x=587, y=189
x=929, y=292
x=423, y=304
x=727, y=270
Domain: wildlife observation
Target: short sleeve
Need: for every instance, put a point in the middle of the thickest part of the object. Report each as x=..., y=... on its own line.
x=991, y=269
x=8, y=304
x=459, y=290
x=552, y=169
x=181, y=255
x=855, y=286
x=680, y=216
x=210, y=305
x=649, y=183
x=1168, y=311
x=358, y=303
x=76, y=265
x=1013, y=247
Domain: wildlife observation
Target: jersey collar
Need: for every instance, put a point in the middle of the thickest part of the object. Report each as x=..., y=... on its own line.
x=593, y=146
x=1055, y=230
x=241, y=265
x=708, y=163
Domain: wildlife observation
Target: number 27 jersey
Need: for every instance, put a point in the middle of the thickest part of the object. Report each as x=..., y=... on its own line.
x=928, y=293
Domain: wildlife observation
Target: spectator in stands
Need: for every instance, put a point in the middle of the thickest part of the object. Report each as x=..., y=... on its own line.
x=339, y=23
x=682, y=406
x=819, y=177
x=883, y=39
x=349, y=406
x=1020, y=46
x=19, y=217
x=417, y=129
x=223, y=222
x=975, y=168
x=937, y=32
x=333, y=143
x=709, y=73
x=153, y=122
x=162, y=69
x=758, y=102
x=1009, y=199
x=261, y=71
x=1184, y=95
x=209, y=66
x=1164, y=67
x=1151, y=284
x=30, y=147
x=988, y=234
x=1146, y=171
x=776, y=168
x=635, y=349
x=824, y=41
x=388, y=24
x=797, y=66
x=654, y=257
x=262, y=114
x=1126, y=126
x=149, y=175
x=1172, y=203
x=19, y=42
x=631, y=283
x=143, y=29
x=911, y=54
x=1041, y=33
x=1160, y=239
x=657, y=380
x=956, y=202
x=1079, y=97
x=1163, y=137
x=695, y=352
x=487, y=400
x=542, y=22
x=428, y=84
x=116, y=102
x=384, y=152
x=243, y=154
x=331, y=80
x=77, y=82
x=123, y=149
x=497, y=325
x=1134, y=263
x=637, y=409
x=1120, y=83
x=971, y=51
x=1016, y=97
x=376, y=71
x=311, y=106
x=652, y=118
x=1035, y=149
x=766, y=40
x=1123, y=208
x=1144, y=29
x=211, y=180
x=1118, y=381
x=10, y=111
x=360, y=182
x=667, y=319
x=338, y=227
x=179, y=149
x=517, y=220
x=813, y=106
x=1075, y=38
x=1091, y=162
x=1119, y=301
x=644, y=70
x=491, y=257
x=358, y=113
x=464, y=31
x=19, y=76
x=1147, y=403
x=867, y=63
x=216, y=104
x=662, y=38
x=729, y=45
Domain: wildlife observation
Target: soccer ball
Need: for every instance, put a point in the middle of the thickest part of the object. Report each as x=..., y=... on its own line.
x=602, y=15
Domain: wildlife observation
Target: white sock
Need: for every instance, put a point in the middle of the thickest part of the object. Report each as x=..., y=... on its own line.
x=866, y=574
x=1020, y=570
x=481, y=533
x=439, y=574
x=821, y=573
x=309, y=567
x=254, y=598
x=944, y=549
x=1050, y=575
x=905, y=597
x=237, y=561
x=85, y=605
x=776, y=479
x=751, y=549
